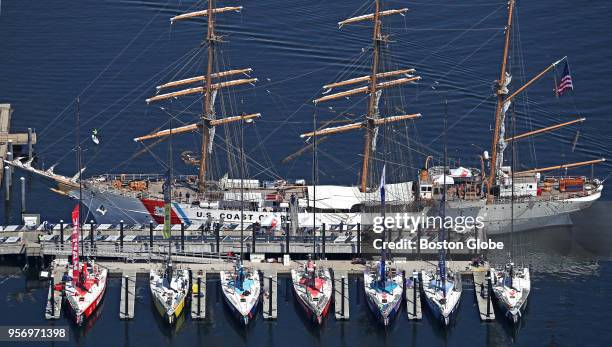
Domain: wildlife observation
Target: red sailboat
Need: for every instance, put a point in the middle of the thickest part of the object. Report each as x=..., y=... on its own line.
x=313, y=289
x=85, y=290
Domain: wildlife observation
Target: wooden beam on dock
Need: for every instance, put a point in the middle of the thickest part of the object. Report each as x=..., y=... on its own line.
x=483, y=297
x=341, y=295
x=128, y=294
x=198, y=294
x=413, y=295
x=270, y=309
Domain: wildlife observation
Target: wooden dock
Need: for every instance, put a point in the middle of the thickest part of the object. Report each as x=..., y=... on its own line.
x=7, y=139
x=198, y=295
x=485, y=305
x=341, y=295
x=54, y=297
x=413, y=296
x=128, y=295
x=270, y=285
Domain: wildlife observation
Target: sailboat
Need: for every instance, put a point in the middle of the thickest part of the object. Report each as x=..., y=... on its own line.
x=312, y=285
x=442, y=288
x=86, y=289
x=241, y=287
x=511, y=284
x=383, y=287
x=169, y=287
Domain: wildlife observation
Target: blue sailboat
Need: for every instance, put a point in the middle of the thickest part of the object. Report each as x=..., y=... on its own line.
x=383, y=287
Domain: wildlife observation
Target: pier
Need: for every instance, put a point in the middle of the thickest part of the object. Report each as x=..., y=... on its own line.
x=8, y=139
x=412, y=294
x=198, y=295
x=341, y=270
x=270, y=280
x=483, y=292
x=341, y=295
x=55, y=297
x=128, y=294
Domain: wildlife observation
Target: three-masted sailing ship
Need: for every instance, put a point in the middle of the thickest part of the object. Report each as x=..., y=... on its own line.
x=137, y=199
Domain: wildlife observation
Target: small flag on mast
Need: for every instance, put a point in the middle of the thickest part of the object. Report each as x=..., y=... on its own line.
x=565, y=83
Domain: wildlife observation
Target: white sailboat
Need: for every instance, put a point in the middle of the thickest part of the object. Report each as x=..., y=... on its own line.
x=511, y=284
x=313, y=289
x=169, y=289
x=383, y=287
x=241, y=290
x=442, y=288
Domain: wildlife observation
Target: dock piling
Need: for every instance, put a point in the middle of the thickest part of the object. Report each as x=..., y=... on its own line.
x=53, y=307
x=323, y=241
x=121, y=235
x=151, y=235
x=23, y=195
x=30, y=143
x=359, y=239
x=92, y=239
x=288, y=227
x=62, y=232
x=183, y=239
x=7, y=183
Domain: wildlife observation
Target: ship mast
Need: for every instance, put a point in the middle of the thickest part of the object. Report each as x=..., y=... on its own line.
x=208, y=107
x=372, y=105
x=209, y=88
x=373, y=88
x=501, y=92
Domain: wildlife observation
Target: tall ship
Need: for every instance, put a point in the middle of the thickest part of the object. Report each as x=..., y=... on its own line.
x=541, y=200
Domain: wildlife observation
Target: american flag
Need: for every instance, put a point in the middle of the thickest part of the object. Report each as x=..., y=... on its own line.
x=565, y=83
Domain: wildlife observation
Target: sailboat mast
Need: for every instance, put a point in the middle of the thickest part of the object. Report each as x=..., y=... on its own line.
x=80, y=170
x=372, y=101
x=442, y=236
x=314, y=188
x=495, y=146
x=208, y=107
x=242, y=191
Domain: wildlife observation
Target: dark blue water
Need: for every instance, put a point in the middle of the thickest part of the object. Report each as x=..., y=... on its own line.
x=568, y=306
x=112, y=53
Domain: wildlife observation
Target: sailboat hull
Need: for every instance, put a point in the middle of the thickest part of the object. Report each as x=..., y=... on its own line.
x=169, y=299
x=243, y=303
x=83, y=305
x=316, y=309
x=384, y=304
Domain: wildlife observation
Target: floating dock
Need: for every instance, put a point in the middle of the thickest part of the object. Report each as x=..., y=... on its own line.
x=341, y=295
x=128, y=294
x=270, y=282
x=55, y=297
x=413, y=295
x=198, y=294
x=483, y=296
